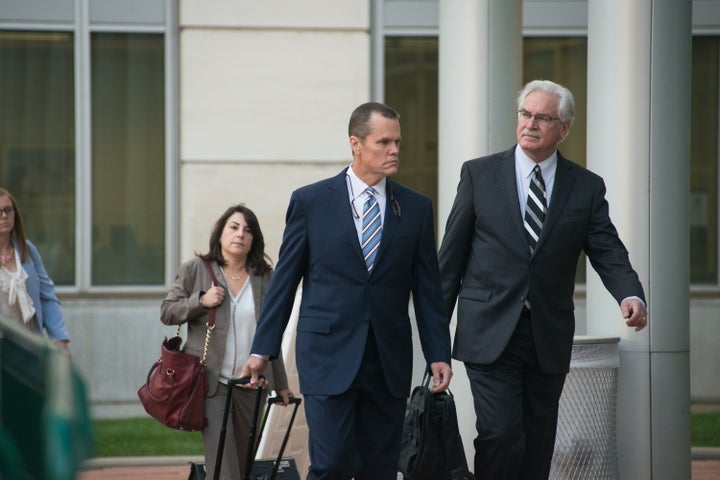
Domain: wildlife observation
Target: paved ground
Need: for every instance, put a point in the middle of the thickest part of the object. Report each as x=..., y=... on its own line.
x=165, y=469
x=174, y=472
x=706, y=469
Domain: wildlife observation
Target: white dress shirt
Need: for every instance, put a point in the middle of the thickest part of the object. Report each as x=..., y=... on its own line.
x=356, y=194
x=523, y=174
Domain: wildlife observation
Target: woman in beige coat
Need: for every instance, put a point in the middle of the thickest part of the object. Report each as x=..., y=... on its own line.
x=238, y=260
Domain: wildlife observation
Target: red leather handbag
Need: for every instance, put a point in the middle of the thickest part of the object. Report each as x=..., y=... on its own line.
x=176, y=386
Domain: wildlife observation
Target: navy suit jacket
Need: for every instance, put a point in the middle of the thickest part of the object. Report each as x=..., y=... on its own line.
x=487, y=266
x=340, y=300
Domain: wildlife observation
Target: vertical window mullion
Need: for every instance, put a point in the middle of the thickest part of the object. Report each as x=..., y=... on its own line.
x=83, y=136
x=172, y=127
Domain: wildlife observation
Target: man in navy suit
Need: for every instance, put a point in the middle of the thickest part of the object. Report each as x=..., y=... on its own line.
x=510, y=265
x=354, y=340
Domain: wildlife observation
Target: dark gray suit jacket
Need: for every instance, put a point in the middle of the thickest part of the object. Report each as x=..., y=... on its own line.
x=486, y=264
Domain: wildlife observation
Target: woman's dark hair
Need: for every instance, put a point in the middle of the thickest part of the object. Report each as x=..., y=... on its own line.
x=257, y=258
x=18, y=231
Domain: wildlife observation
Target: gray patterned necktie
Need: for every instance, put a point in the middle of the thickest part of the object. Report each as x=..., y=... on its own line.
x=536, y=208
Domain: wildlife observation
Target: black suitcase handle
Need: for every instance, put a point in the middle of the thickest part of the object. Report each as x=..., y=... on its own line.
x=277, y=399
x=223, y=428
x=296, y=401
x=251, y=458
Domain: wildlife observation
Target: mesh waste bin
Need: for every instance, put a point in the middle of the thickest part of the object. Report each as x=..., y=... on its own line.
x=585, y=446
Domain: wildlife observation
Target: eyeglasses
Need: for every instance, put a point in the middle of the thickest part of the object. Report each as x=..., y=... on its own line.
x=7, y=211
x=539, y=117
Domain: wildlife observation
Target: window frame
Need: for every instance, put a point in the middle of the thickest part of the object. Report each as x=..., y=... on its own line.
x=82, y=18
x=402, y=18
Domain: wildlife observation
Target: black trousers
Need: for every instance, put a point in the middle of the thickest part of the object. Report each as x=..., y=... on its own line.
x=516, y=406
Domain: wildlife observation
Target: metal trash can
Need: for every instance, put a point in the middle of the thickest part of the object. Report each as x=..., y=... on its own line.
x=586, y=446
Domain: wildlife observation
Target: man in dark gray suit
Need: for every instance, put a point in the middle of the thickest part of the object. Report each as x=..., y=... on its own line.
x=513, y=238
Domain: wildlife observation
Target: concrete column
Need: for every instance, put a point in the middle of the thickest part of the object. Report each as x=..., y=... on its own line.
x=638, y=123
x=480, y=74
x=480, y=70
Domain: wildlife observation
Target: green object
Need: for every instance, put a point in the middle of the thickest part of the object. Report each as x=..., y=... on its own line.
x=9, y=457
x=43, y=407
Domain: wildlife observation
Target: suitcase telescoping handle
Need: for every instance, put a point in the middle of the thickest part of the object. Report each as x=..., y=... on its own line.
x=272, y=400
x=223, y=428
x=253, y=428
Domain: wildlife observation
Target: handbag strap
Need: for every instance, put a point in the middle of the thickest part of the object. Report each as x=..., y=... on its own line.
x=210, y=325
x=211, y=317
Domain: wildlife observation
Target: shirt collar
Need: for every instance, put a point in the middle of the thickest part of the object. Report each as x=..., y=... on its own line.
x=525, y=164
x=358, y=187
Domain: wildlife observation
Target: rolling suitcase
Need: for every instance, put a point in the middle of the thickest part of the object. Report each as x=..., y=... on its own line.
x=265, y=469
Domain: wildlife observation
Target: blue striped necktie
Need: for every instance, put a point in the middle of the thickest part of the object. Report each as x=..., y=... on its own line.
x=371, y=229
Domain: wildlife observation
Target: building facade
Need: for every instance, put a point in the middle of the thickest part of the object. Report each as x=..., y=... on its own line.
x=128, y=127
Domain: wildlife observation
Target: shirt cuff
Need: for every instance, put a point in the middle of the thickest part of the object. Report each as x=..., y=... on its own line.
x=636, y=298
x=264, y=357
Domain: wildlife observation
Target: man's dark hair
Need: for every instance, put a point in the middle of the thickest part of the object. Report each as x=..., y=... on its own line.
x=359, y=125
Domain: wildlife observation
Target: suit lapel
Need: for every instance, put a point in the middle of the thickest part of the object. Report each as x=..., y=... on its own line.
x=508, y=189
x=340, y=199
x=561, y=190
x=256, y=285
x=390, y=224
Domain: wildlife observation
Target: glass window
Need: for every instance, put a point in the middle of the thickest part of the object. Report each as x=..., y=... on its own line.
x=563, y=60
x=52, y=164
x=128, y=159
x=704, y=161
x=37, y=141
x=411, y=87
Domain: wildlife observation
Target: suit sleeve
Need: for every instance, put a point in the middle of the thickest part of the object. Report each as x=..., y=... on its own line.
x=608, y=254
x=291, y=266
x=432, y=318
x=456, y=244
